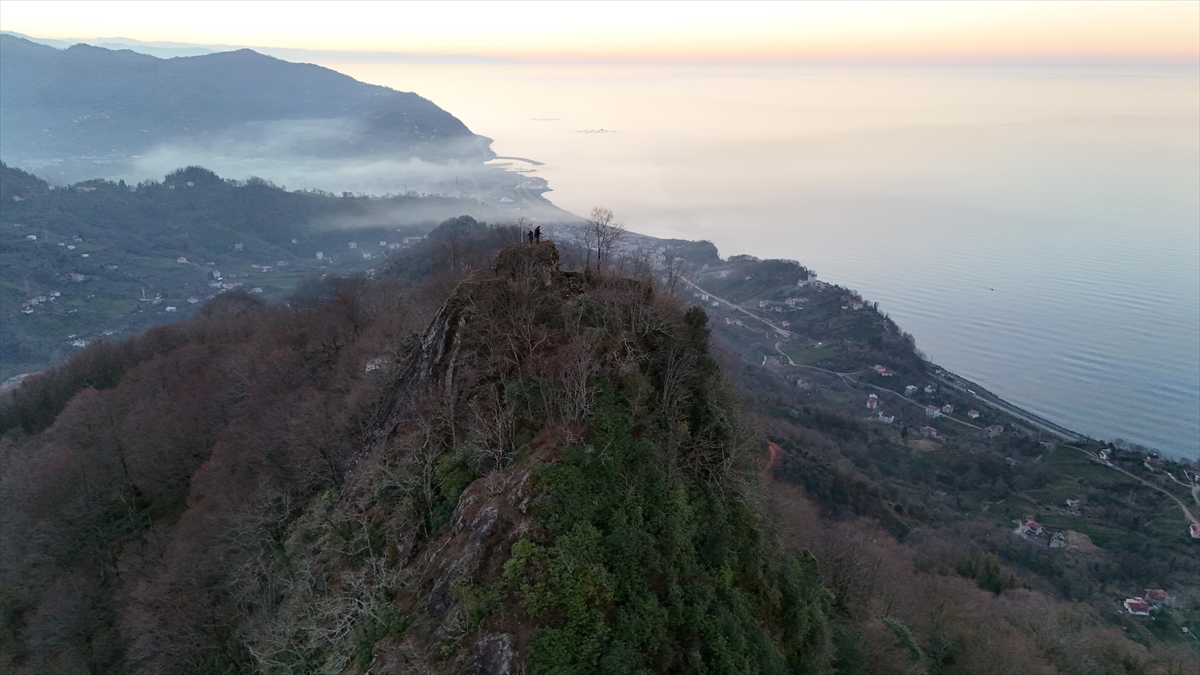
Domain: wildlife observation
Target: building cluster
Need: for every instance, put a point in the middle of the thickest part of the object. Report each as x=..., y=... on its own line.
x=33, y=302
x=1152, y=599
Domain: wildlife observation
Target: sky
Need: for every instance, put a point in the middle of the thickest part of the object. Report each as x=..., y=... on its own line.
x=1104, y=32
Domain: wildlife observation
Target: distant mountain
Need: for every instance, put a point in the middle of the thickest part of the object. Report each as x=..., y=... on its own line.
x=88, y=106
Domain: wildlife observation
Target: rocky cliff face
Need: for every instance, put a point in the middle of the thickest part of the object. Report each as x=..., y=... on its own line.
x=521, y=500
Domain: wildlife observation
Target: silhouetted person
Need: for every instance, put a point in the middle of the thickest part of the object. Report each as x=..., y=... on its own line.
x=531, y=237
x=537, y=234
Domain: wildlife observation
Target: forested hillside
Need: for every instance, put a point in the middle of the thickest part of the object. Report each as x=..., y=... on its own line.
x=481, y=462
x=104, y=259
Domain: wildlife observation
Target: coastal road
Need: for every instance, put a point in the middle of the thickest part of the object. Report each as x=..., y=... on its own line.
x=1004, y=406
x=785, y=331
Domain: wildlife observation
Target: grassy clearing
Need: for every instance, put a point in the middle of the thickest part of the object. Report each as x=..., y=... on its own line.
x=1099, y=534
x=1057, y=495
x=804, y=354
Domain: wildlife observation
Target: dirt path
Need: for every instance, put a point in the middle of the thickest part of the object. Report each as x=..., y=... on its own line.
x=774, y=456
x=1182, y=506
x=752, y=315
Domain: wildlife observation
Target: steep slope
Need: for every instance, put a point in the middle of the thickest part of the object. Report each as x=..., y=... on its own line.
x=96, y=102
x=551, y=477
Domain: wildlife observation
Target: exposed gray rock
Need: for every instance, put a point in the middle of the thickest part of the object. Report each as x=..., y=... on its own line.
x=493, y=656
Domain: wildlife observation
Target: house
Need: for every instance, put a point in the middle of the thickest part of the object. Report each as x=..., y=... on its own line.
x=947, y=409
x=1194, y=530
x=704, y=297
x=715, y=303
x=1137, y=606
x=1058, y=540
x=1104, y=455
x=929, y=432
x=181, y=259
x=1151, y=462
x=885, y=418
x=994, y=430
x=1157, y=596
x=1073, y=506
x=882, y=371
x=171, y=309
x=973, y=414
x=910, y=390
x=354, y=244
x=800, y=383
x=786, y=324
x=932, y=412
x=238, y=247
x=762, y=304
x=872, y=402
x=320, y=255
x=929, y=389
x=856, y=305
x=1033, y=527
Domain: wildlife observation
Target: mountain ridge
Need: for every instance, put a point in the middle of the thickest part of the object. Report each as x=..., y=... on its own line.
x=92, y=101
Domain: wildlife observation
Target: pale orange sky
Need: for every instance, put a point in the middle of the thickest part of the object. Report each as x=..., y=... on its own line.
x=671, y=31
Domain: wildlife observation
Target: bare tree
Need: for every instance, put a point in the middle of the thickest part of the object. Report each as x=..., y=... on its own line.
x=601, y=233
x=674, y=275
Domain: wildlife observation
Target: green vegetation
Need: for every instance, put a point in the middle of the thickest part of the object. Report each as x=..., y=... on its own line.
x=228, y=234
x=718, y=595
x=479, y=460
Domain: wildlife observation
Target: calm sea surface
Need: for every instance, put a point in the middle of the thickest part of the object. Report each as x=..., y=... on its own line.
x=1037, y=229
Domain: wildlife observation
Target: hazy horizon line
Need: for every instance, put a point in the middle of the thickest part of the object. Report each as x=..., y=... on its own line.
x=172, y=49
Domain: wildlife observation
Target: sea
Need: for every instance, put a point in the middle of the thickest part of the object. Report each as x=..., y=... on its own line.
x=1035, y=227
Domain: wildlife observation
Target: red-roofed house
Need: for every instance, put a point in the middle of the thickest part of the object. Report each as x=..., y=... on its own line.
x=1157, y=596
x=1194, y=530
x=1137, y=606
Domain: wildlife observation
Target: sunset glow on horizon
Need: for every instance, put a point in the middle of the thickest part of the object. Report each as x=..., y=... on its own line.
x=1132, y=32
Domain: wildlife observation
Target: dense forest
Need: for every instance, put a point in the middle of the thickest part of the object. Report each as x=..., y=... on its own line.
x=497, y=457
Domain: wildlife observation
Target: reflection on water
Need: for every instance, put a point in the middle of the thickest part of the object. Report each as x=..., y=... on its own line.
x=1036, y=229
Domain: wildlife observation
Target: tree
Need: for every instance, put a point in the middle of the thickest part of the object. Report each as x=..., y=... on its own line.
x=601, y=233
